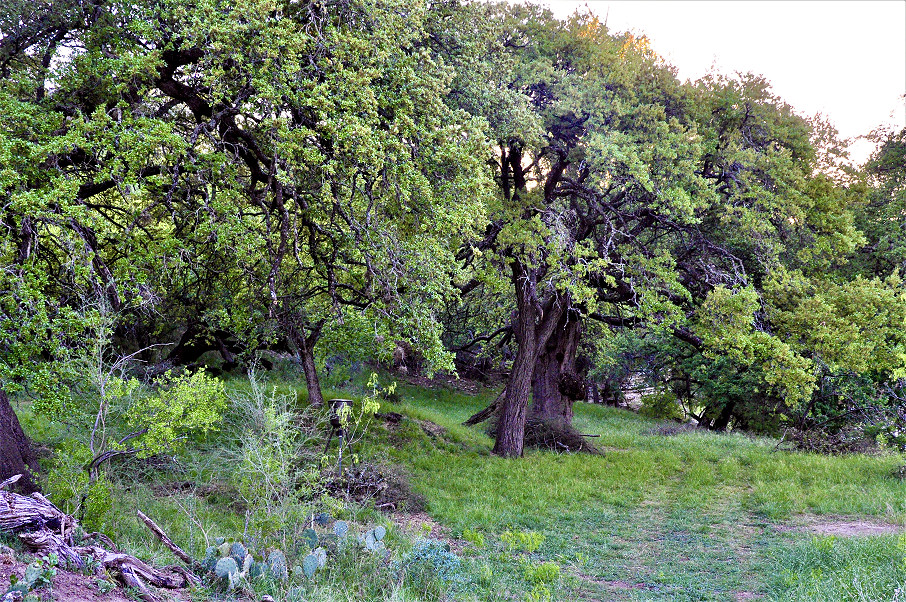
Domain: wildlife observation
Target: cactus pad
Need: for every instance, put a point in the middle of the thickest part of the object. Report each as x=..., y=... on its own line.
x=226, y=567
x=310, y=565
x=340, y=528
x=276, y=561
x=310, y=538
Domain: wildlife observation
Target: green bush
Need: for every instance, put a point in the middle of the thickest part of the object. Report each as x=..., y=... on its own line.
x=431, y=568
x=661, y=405
x=526, y=541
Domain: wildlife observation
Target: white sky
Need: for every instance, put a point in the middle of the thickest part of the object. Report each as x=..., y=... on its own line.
x=844, y=59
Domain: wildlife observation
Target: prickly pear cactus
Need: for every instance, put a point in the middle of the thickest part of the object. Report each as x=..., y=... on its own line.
x=321, y=555
x=323, y=519
x=276, y=562
x=228, y=571
x=340, y=528
x=310, y=565
x=257, y=569
x=310, y=537
x=238, y=552
x=225, y=566
x=372, y=542
x=210, y=559
x=379, y=533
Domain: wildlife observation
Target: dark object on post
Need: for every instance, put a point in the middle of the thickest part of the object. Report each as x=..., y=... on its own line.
x=337, y=426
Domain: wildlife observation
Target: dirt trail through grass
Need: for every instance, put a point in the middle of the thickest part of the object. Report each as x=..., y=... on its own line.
x=692, y=516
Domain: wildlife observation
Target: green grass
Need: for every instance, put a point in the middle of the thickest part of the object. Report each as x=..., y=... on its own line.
x=694, y=516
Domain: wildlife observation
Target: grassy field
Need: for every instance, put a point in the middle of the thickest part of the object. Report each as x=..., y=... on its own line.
x=686, y=516
x=661, y=515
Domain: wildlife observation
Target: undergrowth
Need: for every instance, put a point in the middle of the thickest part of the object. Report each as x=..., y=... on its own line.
x=664, y=513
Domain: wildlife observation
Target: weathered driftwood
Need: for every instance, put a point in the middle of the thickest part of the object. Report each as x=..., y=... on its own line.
x=45, y=529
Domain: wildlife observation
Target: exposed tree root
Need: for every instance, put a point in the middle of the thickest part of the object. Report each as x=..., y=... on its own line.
x=45, y=529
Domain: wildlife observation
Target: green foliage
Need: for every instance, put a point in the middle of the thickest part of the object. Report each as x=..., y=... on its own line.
x=543, y=573
x=430, y=568
x=476, y=538
x=661, y=406
x=184, y=404
x=522, y=541
x=38, y=574
x=275, y=465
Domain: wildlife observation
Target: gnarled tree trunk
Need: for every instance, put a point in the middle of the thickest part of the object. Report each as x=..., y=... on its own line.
x=16, y=455
x=312, y=382
x=304, y=345
x=556, y=384
x=534, y=323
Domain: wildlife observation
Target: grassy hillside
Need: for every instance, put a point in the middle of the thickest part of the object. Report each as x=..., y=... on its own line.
x=665, y=513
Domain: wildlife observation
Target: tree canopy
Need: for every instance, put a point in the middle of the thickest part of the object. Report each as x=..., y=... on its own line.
x=337, y=178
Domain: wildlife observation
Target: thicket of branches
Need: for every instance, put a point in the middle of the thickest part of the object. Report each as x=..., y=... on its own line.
x=483, y=184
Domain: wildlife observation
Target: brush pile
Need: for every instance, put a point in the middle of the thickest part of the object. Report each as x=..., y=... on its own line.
x=44, y=529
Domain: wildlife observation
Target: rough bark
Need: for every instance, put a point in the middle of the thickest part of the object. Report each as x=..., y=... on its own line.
x=534, y=323
x=16, y=455
x=511, y=423
x=305, y=348
x=555, y=384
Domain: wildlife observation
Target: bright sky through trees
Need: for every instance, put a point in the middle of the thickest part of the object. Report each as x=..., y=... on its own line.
x=844, y=59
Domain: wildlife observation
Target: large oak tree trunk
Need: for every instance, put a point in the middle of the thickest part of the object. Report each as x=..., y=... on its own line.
x=511, y=422
x=555, y=384
x=16, y=455
x=305, y=347
x=532, y=327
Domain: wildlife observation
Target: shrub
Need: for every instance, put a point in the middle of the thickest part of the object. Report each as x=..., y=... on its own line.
x=546, y=572
x=430, y=567
x=661, y=405
x=526, y=541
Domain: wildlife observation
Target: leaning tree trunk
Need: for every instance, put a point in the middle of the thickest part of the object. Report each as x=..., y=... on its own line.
x=532, y=328
x=511, y=421
x=16, y=456
x=312, y=382
x=555, y=384
x=305, y=348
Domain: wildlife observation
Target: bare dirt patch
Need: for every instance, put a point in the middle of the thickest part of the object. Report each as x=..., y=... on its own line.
x=845, y=527
x=614, y=583
x=419, y=524
x=68, y=587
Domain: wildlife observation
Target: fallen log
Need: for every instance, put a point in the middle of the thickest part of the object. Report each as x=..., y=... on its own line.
x=45, y=529
x=482, y=415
